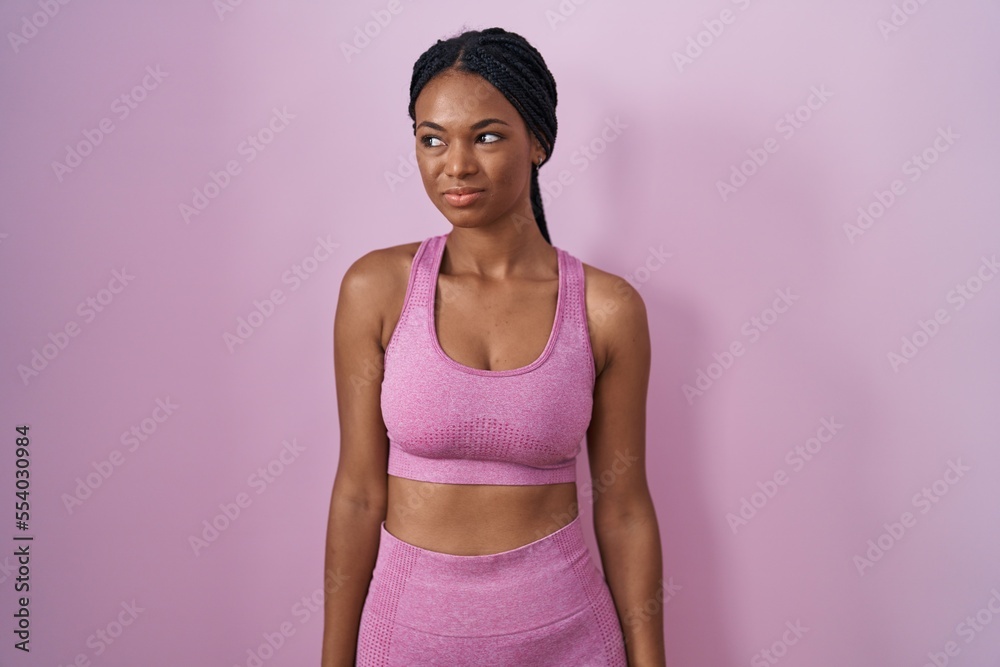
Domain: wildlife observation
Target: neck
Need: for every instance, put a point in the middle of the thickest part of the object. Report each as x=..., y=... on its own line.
x=499, y=251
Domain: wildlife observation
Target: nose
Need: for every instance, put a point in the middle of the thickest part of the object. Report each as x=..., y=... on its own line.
x=460, y=161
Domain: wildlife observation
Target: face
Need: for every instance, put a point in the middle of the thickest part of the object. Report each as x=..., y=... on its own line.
x=469, y=135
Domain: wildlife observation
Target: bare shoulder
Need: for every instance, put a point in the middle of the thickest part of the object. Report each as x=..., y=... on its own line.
x=616, y=315
x=374, y=285
x=375, y=275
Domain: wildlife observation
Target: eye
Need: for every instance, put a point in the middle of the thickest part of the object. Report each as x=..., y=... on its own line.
x=427, y=139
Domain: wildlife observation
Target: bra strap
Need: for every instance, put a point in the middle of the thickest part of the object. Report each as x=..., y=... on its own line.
x=416, y=299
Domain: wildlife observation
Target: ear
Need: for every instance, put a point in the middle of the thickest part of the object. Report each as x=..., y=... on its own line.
x=537, y=151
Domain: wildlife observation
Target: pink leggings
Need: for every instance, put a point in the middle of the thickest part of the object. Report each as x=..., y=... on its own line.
x=544, y=603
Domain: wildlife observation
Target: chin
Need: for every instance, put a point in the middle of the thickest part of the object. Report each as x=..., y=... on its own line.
x=464, y=218
x=466, y=223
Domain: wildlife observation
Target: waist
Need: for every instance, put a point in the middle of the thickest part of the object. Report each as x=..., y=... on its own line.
x=476, y=519
x=492, y=600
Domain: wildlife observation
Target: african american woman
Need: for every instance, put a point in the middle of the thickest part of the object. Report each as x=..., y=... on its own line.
x=470, y=367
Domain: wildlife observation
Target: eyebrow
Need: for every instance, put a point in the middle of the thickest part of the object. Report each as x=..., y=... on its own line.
x=475, y=126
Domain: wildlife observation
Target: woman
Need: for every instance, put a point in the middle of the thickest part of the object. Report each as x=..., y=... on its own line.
x=467, y=377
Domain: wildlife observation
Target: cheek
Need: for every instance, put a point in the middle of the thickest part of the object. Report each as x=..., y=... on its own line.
x=505, y=171
x=426, y=169
x=511, y=177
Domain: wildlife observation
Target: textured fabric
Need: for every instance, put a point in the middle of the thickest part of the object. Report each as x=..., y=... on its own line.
x=455, y=424
x=542, y=604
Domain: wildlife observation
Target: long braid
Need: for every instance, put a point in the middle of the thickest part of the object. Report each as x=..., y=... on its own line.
x=511, y=65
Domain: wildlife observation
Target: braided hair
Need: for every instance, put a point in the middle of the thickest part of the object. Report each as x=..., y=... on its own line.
x=515, y=68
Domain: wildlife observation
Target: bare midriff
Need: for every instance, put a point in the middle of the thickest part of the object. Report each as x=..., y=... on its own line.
x=476, y=519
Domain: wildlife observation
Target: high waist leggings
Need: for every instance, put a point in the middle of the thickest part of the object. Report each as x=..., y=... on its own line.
x=544, y=603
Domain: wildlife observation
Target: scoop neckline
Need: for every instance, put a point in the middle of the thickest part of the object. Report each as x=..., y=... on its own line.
x=435, y=269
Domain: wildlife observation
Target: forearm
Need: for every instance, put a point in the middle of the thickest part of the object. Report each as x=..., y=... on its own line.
x=351, y=549
x=632, y=558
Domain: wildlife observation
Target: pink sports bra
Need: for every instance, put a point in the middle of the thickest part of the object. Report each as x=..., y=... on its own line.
x=455, y=424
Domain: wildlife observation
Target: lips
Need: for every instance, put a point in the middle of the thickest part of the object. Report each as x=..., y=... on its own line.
x=463, y=196
x=462, y=191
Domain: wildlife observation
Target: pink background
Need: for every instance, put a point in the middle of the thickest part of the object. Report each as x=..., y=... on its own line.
x=652, y=185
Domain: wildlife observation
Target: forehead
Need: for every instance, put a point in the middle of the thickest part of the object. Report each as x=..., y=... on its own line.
x=461, y=98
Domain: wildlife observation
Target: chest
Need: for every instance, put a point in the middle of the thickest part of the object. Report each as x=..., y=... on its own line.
x=494, y=327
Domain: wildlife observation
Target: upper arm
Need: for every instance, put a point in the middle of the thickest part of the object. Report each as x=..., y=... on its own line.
x=616, y=437
x=357, y=358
